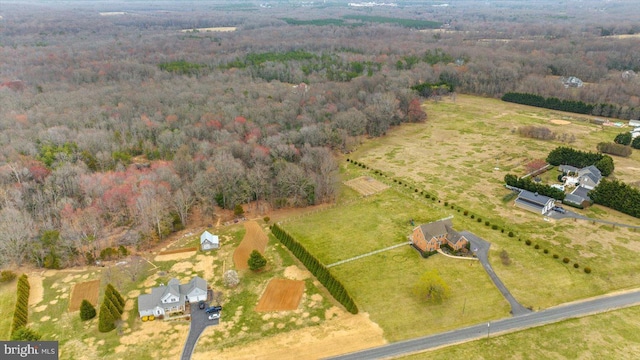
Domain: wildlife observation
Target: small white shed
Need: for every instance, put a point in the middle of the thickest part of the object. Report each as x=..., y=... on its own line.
x=209, y=241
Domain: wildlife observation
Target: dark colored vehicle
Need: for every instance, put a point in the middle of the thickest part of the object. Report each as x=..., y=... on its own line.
x=559, y=209
x=202, y=305
x=213, y=309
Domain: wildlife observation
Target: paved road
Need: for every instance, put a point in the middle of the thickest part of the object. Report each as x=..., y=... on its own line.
x=199, y=321
x=559, y=313
x=481, y=248
x=572, y=215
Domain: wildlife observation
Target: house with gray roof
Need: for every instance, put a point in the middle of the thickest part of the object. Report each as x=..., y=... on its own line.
x=589, y=177
x=429, y=237
x=209, y=241
x=534, y=202
x=172, y=298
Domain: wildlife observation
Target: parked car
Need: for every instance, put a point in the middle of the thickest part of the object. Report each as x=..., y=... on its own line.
x=213, y=309
x=559, y=209
x=202, y=305
x=215, y=315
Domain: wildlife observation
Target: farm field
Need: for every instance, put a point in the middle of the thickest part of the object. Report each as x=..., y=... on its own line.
x=86, y=290
x=281, y=295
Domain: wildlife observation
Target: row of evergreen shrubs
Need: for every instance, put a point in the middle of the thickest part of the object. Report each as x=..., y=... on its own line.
x=487, y=222
x=335, y=287
x=111, y=309
x=21, y=313
x=565, y=260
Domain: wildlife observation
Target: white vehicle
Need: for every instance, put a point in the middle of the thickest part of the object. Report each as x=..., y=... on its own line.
x=214, y=316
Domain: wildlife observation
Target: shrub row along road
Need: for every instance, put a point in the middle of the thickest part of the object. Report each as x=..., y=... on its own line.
x=559, y=313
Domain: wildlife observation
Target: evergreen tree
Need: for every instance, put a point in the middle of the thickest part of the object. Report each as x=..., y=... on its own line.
x=25, y=334
x=106, y=322
x=87, y=311
x=256, y=261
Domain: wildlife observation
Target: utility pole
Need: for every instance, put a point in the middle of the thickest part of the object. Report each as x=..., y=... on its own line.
x=488, y=329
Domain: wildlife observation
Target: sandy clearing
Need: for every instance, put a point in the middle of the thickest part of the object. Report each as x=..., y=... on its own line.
x=45, y=318
x=293, y=272
x=204, y=265
x=560, y=122
x=177, y=256
x=36, y=292
x=346, y=333
x=40, y=308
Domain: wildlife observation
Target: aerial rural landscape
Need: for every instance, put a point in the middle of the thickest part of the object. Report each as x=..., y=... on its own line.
x=321, y=179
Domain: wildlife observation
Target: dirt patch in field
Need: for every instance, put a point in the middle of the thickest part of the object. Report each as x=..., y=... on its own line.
x=366, y=185
x=86, y=290
x=178, y=251
x=36, y=291
x=254, y=239
x=280, y=295
x=175, y=256
x=295, y=273
x=560, y=122
x=342, y=334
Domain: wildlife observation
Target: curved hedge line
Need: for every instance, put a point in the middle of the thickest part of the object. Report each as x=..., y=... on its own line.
x=335, y=287
x=21, y=313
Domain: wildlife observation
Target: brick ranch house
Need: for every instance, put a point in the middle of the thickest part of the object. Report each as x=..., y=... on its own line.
x=431, y=236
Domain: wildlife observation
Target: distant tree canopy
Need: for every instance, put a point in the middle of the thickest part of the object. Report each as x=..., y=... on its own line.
x=569, y=156
x=549, y=103
x=182, y=67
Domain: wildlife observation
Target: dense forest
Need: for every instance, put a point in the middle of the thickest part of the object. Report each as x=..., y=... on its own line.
x=118, y=119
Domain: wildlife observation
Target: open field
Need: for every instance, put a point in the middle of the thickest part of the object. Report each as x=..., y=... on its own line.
x=611, y=335
x=462, y=171
x=281, y=295
x=254, y=239
x=86, y=290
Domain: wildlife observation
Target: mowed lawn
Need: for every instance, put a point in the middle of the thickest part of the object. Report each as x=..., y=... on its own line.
x=611, y=335
x=366, y=225
x=381, y=284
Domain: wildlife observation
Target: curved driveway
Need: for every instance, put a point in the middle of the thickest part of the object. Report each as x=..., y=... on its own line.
x=559, y=313
x=481, y=248
x=199, y=321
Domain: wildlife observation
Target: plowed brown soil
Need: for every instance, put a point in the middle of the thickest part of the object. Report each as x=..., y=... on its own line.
x=86, y=290
x=254, y=239
x=280, y=295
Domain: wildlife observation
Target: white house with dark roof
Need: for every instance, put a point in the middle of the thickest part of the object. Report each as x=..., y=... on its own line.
x=209, y=241
x=429, y=237
x=172, y=298
x=534, y=202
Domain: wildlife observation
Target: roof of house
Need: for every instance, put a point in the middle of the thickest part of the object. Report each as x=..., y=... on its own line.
x=591, y=172
x=534, y=198
x=568, y=168
x=440, y=228
x=151, y=301
x=207, y=236
x=574, y=199
x=581, y=192
x=196, y=282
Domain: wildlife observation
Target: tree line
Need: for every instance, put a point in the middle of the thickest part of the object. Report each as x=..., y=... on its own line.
x=333, y=285
x=563, y=155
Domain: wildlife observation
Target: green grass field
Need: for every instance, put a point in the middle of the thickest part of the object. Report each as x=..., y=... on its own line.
x=611, y=335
